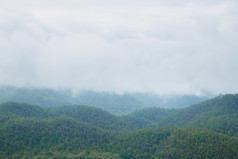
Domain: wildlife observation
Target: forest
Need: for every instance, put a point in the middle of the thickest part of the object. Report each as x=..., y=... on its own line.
x=118, y=79
x=206, y=130
x=114, y=103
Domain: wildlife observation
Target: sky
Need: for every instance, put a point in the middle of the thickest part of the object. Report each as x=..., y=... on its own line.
x=159, y=46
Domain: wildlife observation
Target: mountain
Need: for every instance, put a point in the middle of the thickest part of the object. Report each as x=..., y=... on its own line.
x=32, y=135
x=219, y=114
x=114, y=103
x=111, y=102
x=128, y=102
x=94, y=116
x=169, y=101
x=29, y=131
x=176, y=143
x=34, y=96
x=22, y=110
x=13, y=110
x=90, y=115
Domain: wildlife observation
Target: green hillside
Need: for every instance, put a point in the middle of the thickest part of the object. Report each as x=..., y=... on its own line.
x=176, y=143
x=219, y=114
x=90, y=115
x=62, y=138
x=95, y=116
x=30, y=136
x=207, y=130
x=22, y=110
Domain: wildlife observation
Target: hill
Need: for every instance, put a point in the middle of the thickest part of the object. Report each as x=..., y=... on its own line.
x=28, y=131
x=90, y=115
x=22, y=110
x=22, y=135
x=176, y=143
x=219, y=114
x=65, y=138
x=111, y=102
x=34, y=96
x=94, y=116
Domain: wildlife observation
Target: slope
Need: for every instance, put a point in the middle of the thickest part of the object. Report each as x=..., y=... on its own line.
x=87, y=132
x=90, y=115
x=111, y=102
x=31, y=135
x=219, y=114
x=34, y=96
x=176, y=143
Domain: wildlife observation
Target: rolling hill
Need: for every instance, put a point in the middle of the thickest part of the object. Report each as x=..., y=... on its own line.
x=219, y=114
x=204, y=130
x=112, y=102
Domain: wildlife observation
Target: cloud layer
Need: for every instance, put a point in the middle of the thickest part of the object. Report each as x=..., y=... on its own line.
x=156, y=46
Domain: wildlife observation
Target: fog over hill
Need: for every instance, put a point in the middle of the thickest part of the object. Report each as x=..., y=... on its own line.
x=112, y=102
x=128, y=79
x=164, y=47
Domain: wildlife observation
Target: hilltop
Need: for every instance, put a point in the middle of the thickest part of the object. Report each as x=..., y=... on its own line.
x=112, y=102
x=204, y=130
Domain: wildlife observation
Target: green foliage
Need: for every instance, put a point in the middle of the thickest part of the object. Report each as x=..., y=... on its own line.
x=91, y=115
x=22, y=110
x=135, y=122
x=79, y=155
x=219, y=114
x=28, y=131
x=31, y=135
x=176, y=143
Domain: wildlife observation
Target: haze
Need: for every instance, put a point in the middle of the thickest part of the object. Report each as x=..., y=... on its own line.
x=185, y=47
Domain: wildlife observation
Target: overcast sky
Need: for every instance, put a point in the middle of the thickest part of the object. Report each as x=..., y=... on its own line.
x=160, y=46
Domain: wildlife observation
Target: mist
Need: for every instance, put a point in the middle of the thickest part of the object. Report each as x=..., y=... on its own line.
x=164, y=47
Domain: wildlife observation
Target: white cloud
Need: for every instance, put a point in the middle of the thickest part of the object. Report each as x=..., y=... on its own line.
x=159, y=46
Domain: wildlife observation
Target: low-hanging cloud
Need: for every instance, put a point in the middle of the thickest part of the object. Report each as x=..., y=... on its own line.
x=156, y=46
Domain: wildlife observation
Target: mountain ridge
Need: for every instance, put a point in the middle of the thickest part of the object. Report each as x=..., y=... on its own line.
x=30, y=131
x=114, y=103
x=207, y=114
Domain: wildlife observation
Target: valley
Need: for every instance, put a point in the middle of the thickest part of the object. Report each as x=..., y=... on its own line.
x=205, y=130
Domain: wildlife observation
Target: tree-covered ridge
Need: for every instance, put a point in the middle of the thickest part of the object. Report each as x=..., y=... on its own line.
x=67, y=138
x=90, y=115
x=13, y=110
x=28, y=131
x=33, y=135
x=23, y=110
x=42, y=97
x=95, y=116
x=219, y=114
x=111, y=102
x=177, y=143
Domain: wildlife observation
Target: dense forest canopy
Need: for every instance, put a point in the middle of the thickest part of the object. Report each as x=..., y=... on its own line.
x=205, y=130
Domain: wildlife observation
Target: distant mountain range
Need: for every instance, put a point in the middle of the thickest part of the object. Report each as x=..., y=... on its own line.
x=111, y=102
x=208, y=129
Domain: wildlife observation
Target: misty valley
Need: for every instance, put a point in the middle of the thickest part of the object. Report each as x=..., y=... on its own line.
x=54, y=125
x=110, y=79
